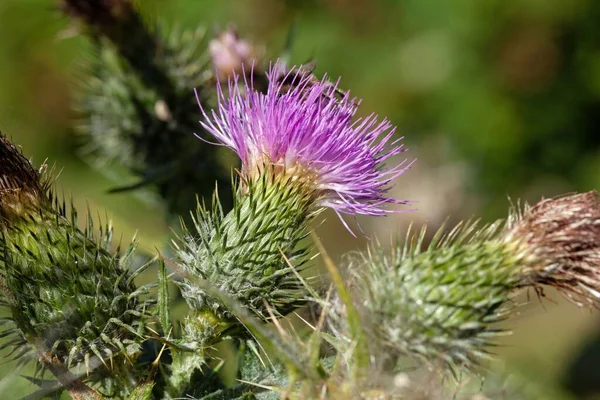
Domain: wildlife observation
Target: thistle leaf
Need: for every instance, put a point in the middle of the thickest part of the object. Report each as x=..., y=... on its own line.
x=360, y=354
x=163, y=297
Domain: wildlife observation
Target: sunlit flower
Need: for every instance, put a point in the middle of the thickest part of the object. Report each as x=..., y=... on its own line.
x=305, y=128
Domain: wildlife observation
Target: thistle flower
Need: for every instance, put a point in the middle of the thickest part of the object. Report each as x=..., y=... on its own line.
x=230, y=53
x=303, y=129
x=300, y=152
x=438, y=303
x=72, y=300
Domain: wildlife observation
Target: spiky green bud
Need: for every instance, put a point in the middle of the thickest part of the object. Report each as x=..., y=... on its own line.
x=250, y=254
x=437, y=302
x=72, y=299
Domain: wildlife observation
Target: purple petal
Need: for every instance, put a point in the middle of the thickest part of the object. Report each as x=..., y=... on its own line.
x=308, y=124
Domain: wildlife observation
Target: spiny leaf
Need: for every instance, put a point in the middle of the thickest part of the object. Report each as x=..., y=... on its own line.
x=360, y=354
x=285, y=351
x=163, y=297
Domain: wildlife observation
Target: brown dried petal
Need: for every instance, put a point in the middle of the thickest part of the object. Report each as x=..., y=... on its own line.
x=18, y=179
x=102, y=13
x=560, y=239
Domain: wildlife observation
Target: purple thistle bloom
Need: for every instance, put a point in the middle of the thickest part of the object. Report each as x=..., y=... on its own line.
x=305, y=129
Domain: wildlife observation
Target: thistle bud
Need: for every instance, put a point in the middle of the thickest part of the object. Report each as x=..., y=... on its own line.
x=71, y=298
x=438, y=303
x=250, y=253
x=138, y=116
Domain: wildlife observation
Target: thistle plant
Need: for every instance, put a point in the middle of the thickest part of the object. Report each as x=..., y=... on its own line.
x=301, y=152
x=74, y=309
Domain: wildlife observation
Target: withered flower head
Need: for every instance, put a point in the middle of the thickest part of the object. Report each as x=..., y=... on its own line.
x=20, y=183
x=560, y=241
x=100, y=13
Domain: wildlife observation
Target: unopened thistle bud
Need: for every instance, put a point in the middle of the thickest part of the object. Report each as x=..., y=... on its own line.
x=301, y=152
x=72, y=299
x=438, y=303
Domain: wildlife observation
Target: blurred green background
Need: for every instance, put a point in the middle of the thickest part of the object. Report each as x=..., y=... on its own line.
x=497, y=99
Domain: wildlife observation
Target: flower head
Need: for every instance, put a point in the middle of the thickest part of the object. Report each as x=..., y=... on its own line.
x=20, y=183
x=305, y=128
x=229, y=53
x=560, y=239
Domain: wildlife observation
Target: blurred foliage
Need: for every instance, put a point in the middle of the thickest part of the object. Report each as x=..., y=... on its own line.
x=510, y=88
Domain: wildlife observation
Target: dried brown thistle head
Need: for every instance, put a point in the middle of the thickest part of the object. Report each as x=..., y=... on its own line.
x=98, y=13
x=20, y=183
x=560, y=241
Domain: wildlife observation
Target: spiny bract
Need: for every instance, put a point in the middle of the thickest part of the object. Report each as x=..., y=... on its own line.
x=251, y=252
